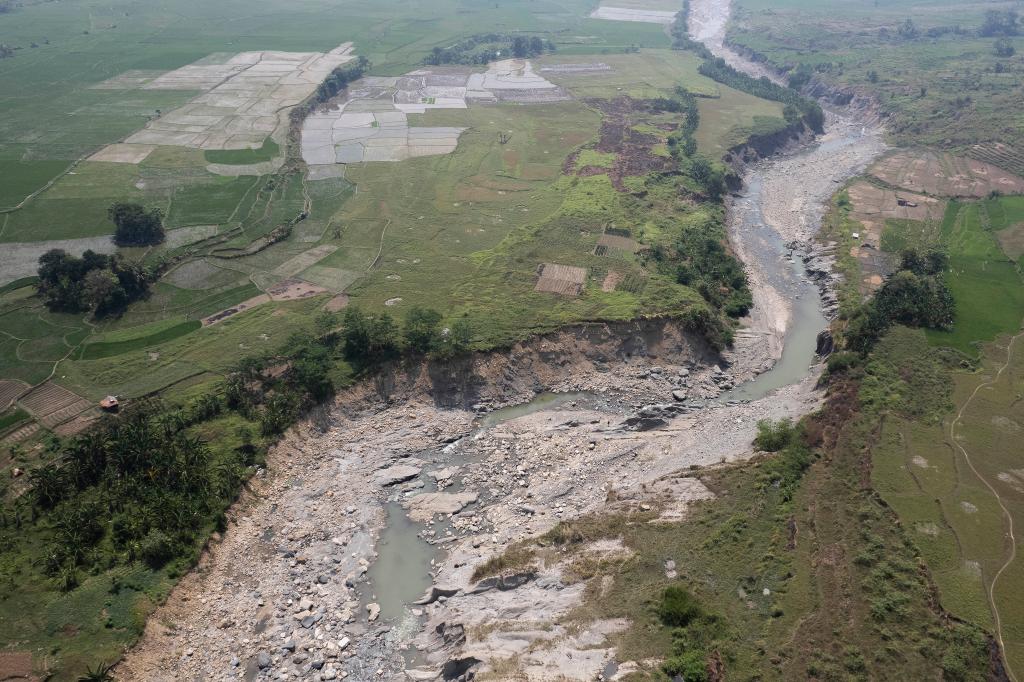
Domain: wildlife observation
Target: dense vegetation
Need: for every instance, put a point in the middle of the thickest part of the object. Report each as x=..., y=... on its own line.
x=102, y=285
x=137, y=487
x=135, y=225
x=487, y=47
x=916, y=295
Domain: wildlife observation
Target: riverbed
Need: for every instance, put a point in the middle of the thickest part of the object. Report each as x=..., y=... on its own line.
x=318, y=572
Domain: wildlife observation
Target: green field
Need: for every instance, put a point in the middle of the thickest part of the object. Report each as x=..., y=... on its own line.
x=947, y=88
x=268, y=151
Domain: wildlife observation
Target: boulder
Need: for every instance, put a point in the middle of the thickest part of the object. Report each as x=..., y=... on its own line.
x=434, y=593
x=396, y=474
x=826, y=344
x=424, y=506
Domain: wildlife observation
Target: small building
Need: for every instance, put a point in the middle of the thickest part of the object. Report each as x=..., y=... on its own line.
x=110, y=403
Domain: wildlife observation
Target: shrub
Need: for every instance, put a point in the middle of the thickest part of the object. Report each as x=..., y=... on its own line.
x=156, y=549
x=678, y=608
x=773, y=436
x=688, y=667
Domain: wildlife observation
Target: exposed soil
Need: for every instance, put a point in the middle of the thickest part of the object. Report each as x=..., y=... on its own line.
x=633, y=150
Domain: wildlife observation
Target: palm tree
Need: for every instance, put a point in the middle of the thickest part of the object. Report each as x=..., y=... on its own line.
x=101, y=673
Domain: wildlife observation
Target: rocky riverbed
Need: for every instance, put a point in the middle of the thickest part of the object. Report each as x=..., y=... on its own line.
x=288, y=591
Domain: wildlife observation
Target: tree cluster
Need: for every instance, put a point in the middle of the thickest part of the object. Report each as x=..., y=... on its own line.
x=703, y=263
x=137, y=487
x=682, y=142
x=276, y=388
x=103, y=285
x=915, y=295
x=136, y=225
x=340, y=78
x=369, y=339
x=487, y=47
x=1000, y=23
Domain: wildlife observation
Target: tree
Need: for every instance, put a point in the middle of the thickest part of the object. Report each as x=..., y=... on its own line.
x=1004, y=48
x=907, y=30
x=101, y=288
x=421, y=329
x=135, y=225
x=1000, y=23
x=520, y=47
x=368, y=339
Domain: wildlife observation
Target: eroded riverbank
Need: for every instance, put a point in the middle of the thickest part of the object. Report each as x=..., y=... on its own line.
x=285, y=594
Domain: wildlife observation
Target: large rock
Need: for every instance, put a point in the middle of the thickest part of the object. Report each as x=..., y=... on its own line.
x=825, y=344
x=396, y=474
x=434, y=593
x=424, y=506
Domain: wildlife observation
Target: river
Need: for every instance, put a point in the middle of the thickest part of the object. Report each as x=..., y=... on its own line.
x=322, y=540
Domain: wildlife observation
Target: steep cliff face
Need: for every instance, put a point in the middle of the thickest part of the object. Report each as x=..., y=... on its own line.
x=759, y=146
x=855, y=99
x=593, y=354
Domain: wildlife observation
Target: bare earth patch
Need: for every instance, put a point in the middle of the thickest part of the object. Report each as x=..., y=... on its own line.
x=945, y=175
x=123, y=153
x=565, y=280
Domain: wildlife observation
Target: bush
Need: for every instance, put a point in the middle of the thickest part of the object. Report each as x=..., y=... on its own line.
x=688, y=667
x=774, y=436
x=678, y=608
x=156, y=549
x=841, y=362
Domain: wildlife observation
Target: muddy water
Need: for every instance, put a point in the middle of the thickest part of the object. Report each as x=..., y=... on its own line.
x=401, y=572
x=784, y=272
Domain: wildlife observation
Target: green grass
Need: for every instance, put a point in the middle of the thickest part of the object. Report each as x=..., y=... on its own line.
x=21, y=178
x=12, y=417
x=979, y=271
x=649, y=73
x=105, y=349
x=18, y=284
x=729, y=120
x=239, y=157
x=592, y=157
x=210, y=203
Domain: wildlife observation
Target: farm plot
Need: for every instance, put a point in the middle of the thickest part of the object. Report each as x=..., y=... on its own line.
x=9, y=390
x=565, y=280
x=373, y=125
x=647, y=16
x=944, y=174
x=245, y=100
x=52, y=404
